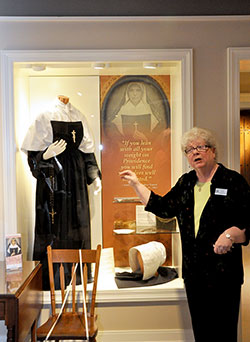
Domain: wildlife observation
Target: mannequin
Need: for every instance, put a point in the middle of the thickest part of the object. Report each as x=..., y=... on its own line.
x=63, y=98
x=60, y=151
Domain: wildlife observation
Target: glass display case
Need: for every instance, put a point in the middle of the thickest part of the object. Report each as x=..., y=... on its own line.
x=134, y=226
x=145, y=140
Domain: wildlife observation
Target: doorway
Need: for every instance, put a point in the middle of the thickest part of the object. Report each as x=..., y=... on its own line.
x=245, y=143
x=238, y=141
x=245, y=171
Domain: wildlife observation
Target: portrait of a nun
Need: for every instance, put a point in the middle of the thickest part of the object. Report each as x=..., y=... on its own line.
x=135, y=118
x=135, y=108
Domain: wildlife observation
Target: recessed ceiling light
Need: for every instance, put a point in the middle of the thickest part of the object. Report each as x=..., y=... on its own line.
x=38, y=67
x=150, y=65
x=99, y=66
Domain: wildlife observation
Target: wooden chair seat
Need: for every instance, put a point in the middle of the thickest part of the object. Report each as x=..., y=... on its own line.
x=71, y=323
x=70, y=326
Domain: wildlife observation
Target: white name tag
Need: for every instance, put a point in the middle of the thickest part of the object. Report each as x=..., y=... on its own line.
x=222, y=192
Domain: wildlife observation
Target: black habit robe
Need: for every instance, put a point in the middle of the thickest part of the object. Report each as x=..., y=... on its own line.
x=62, y=204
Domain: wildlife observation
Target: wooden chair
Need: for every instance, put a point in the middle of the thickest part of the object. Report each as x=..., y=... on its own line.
x=71, y=324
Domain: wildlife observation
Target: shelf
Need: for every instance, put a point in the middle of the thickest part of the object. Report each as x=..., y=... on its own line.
x=143, y=230
x=129, y=227
x=127, y=200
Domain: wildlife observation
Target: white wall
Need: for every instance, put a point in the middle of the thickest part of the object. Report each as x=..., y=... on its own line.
x=209, y=38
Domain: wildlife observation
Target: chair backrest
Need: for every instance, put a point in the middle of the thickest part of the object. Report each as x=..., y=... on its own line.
x=71, y=256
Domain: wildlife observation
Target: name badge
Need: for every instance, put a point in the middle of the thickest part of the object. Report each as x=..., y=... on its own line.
x=221, y=192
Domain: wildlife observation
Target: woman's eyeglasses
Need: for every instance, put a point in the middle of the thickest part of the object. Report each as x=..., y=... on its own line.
x=200, y=148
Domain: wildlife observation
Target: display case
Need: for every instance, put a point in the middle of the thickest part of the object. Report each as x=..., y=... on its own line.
x=32, y=79
x=134, y=226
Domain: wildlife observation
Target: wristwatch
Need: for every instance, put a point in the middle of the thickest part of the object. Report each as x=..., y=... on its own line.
x=228, y=236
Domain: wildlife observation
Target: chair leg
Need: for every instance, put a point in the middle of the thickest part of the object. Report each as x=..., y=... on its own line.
x=33, y=331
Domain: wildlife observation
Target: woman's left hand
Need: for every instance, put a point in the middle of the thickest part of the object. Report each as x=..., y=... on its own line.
x=222, y=245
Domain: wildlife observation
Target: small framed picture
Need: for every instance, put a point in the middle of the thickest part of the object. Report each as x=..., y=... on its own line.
x=13, y=251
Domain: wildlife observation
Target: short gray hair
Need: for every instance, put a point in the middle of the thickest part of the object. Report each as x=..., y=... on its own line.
x=198, y=133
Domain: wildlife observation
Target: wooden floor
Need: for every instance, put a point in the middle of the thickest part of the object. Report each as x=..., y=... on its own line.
x=246, y=296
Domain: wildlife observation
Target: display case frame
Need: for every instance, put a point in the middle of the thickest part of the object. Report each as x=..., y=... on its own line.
x=8, y=144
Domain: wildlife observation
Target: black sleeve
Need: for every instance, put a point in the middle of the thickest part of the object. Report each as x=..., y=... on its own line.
x=166, y=206
x=92, y=169
x=37, y=165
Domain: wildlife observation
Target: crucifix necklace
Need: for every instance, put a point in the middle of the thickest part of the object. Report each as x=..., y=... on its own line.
x=51, y=196
x=73, y=135
x=136, y=126
x=52, y=213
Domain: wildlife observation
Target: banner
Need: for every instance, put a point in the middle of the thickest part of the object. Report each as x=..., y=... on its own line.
x=136, y=135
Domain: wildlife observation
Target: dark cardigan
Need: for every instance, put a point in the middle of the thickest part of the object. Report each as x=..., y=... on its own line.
x=222, y=211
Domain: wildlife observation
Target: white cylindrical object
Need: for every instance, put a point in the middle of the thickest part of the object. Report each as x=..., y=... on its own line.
x=153, y=255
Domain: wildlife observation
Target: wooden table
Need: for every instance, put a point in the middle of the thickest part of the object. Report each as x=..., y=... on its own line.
x=20, y=299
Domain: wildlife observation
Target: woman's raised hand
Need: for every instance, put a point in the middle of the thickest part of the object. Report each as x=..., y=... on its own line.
x=142, y=191
x=130, y=177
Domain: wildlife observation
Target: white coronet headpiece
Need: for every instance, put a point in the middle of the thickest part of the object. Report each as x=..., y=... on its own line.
x=153, y=255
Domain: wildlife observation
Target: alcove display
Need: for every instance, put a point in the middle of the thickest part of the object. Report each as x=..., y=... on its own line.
x=105, y=97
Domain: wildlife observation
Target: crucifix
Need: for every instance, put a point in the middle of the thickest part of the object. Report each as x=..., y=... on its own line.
x=73, y=135
x=136, y=125
x=52, y=213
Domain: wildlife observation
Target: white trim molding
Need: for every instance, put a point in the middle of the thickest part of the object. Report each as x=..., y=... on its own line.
x=162, y=335
x=178, y=18
x=172, y=291
x=8, y=145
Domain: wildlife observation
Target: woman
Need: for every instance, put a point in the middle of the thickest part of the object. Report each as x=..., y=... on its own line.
x=212, y=205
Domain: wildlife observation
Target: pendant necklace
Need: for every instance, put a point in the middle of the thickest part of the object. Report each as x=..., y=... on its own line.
x=200, y=185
